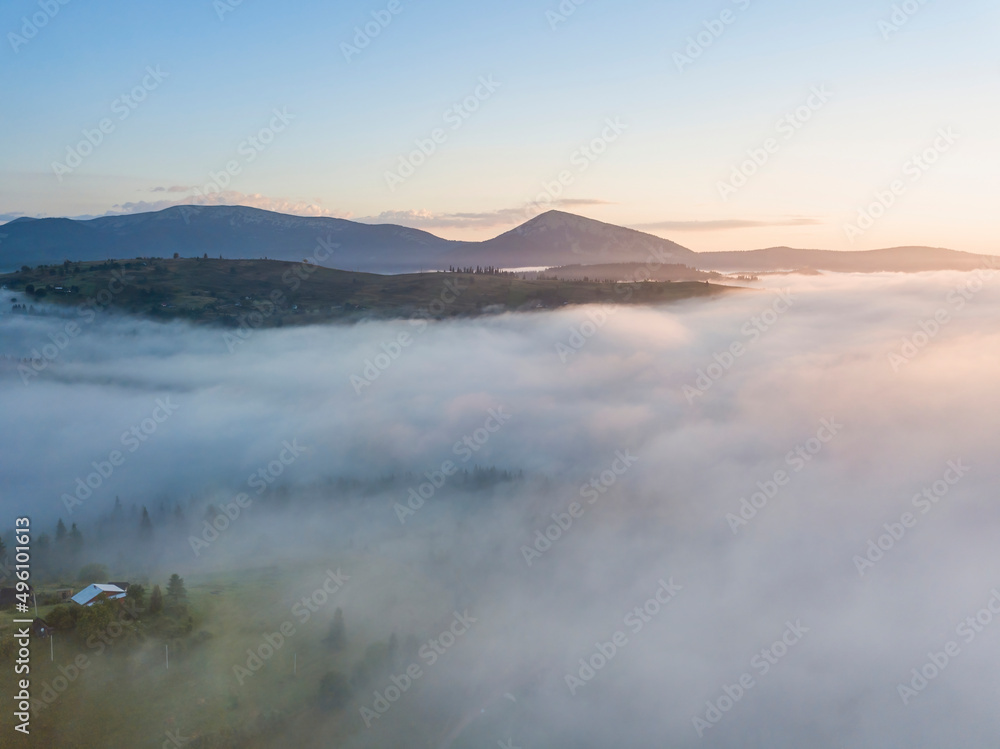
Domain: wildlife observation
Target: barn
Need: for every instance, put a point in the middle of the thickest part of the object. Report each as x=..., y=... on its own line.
x=90, y=595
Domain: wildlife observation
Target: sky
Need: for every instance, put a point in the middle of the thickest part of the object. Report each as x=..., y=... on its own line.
x=667, y=117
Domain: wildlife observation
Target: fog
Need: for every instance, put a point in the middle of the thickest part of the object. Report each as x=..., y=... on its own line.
x=648, y=421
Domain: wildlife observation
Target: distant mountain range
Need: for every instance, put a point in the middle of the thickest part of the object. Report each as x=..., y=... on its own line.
x=554, y=238
x=895, y=259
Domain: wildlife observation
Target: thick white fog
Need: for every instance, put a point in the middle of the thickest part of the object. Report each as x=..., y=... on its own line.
x=643, y=434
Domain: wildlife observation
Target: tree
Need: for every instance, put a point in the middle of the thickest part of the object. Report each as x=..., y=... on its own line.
x=336, y=638
x=75, y=540
x=3, y=549
x=137, y=594
x=60, y=531
x=393, y=649
x=92, y=573
x=155, y=600
x=176, y=594
x=145, y=526
x=63, y=616
x=94, y=620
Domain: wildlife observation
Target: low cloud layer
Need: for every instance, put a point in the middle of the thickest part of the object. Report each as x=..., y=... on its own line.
x=737, y=469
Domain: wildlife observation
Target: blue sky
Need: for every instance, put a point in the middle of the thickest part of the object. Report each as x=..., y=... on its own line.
x=685, y=130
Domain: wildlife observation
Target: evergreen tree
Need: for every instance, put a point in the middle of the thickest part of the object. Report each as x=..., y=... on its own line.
x=75, y=540
x=155, y=600
x=145, y=526
x=176, y=594
x=60, y=531
x=336, y=638
x=137, y=594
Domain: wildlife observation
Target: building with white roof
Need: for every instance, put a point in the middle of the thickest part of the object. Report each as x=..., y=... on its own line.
x=89, y=595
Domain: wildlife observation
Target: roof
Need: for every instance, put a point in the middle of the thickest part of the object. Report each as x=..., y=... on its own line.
x=86, y=596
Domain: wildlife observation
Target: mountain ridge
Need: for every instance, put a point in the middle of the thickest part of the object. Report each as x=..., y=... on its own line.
x=553, y=238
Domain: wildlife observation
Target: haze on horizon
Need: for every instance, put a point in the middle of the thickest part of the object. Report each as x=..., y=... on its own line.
x=875, y=86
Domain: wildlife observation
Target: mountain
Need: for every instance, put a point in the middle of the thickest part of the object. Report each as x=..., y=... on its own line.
x=233, y=232
x=558, y=238
x=238, y=232
x=895, y=259
x=551, y=239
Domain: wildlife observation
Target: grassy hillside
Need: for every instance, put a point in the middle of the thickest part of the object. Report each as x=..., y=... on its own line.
x=281, y=293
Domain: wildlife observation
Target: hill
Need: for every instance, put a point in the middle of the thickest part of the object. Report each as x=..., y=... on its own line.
x=238, y=232
x=558, y=238
x=232, y=232
x=278, y=293
x=554, y=238
x=630, y=272
x=896, y=259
